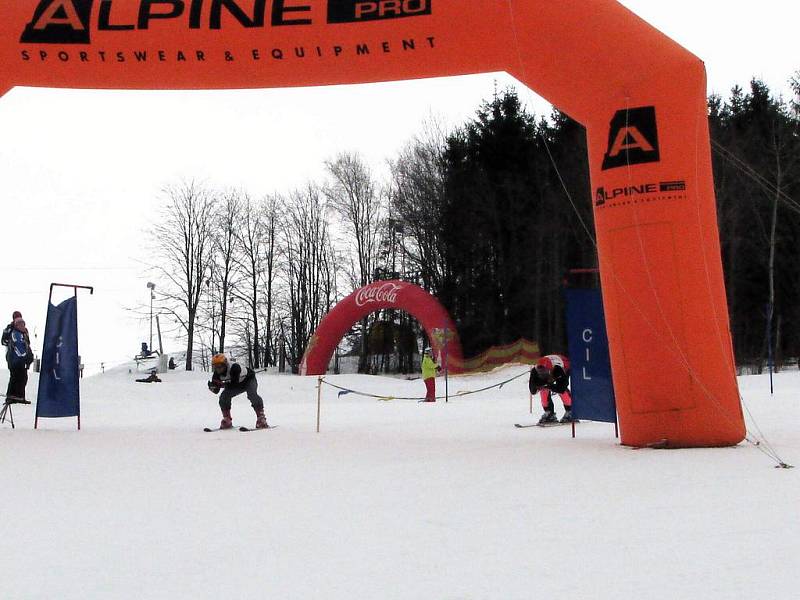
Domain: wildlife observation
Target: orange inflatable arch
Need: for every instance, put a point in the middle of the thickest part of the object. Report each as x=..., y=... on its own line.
x=640, y=95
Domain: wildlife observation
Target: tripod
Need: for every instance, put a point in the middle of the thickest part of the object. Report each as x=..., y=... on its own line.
x=6, y=412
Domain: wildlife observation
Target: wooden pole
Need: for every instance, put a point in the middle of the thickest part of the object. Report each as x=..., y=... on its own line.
x=319, y=400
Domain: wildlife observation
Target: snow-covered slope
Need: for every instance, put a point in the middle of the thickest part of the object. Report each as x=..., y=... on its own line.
x=391, y=500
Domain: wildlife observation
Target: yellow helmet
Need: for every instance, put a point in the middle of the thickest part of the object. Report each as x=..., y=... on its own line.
x=219, y=360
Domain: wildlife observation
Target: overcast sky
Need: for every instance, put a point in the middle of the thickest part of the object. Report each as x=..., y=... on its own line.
x=82, y=171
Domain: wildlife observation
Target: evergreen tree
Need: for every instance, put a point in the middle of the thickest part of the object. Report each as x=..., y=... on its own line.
x=755, y=136
x=508, y=229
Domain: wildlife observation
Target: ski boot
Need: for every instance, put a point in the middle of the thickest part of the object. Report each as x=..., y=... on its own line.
x=548, y=418
x=227, y=420
x=567, y=418
x=261, y=420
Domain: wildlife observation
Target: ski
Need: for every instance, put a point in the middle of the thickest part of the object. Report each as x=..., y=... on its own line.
x=245, y=429
x=212, y=430
x=542, y=425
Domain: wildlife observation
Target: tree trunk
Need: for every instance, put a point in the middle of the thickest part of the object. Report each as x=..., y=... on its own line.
x=772, y=246
x=362, y=359
x=269, y=360
x=778, y=352
x=256, y=350
x=223, y=320
x=190, y=341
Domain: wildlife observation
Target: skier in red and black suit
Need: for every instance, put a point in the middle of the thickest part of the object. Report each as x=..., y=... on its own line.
x=233, y=380
x=551, y=376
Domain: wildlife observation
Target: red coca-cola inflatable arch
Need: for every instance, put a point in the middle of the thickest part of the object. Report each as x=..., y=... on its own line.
x=397, y=295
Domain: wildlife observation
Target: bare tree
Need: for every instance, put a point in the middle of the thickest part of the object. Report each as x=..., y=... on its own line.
x=271, y=253
x=250, y=249
x=256, y=256
x=183, y=244
x=354, y=195
x=222, y=279
x=417, y=197
x=309, y=268
x=782, y=145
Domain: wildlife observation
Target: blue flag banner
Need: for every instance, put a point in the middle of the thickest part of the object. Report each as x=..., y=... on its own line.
x=590, y=362
x=59, y=379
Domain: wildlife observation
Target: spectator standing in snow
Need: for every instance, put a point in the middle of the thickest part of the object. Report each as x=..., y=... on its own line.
x=429, y=371
x=19, y=357
x=232, y=379
x=551, y=376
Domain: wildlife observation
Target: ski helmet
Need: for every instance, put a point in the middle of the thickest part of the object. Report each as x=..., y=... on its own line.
x=219, y=360
x=544, y=365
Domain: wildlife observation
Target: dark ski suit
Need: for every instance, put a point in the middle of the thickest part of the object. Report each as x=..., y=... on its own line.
x=235, y=381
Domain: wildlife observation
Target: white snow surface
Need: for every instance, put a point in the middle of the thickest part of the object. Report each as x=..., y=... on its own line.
x=393, y=500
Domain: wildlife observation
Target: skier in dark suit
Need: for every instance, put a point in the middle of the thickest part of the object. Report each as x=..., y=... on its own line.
x=231, y=379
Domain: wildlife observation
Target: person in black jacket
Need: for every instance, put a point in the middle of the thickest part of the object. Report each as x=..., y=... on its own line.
x=232, y=380
x=19, y=357
x=551, y=376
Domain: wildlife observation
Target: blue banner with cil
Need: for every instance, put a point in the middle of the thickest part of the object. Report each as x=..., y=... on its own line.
x=59, y=385
x=590, y=362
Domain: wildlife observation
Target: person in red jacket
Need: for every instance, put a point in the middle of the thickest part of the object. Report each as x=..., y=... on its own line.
x=551, y=376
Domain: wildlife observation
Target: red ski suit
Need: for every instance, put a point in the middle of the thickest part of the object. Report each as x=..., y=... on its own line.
x=555, y=381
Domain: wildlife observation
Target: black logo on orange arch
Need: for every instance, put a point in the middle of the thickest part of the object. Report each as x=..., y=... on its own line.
x=59, y=22
x=600, y=197
x=356, y=11
x=70, y=21
x=642, y=193
x=633, y=139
